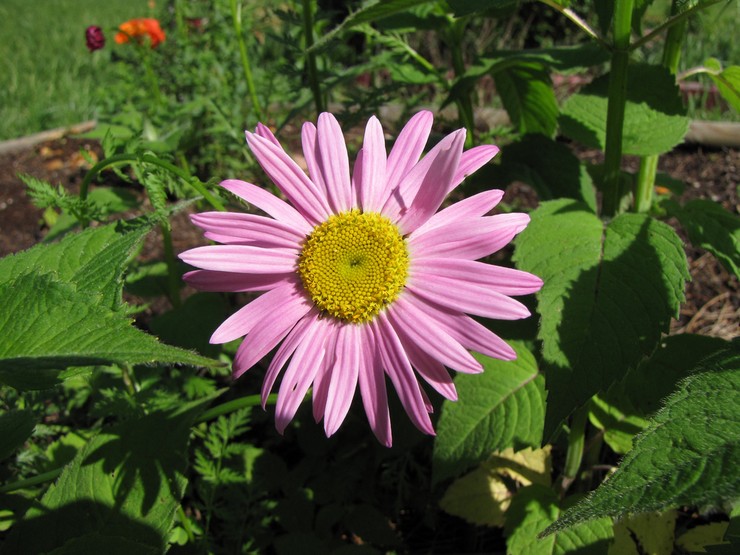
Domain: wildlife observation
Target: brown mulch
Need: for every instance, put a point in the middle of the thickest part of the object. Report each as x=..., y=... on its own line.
x=712, y=306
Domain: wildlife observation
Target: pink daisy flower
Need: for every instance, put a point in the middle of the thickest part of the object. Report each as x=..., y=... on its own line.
x=362, y=276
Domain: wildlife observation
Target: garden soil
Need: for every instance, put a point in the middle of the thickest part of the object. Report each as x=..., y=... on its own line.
x=713, y=296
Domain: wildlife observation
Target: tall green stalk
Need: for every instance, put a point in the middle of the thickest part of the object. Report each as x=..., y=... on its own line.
x=612, y=187
x=236, y=17
x=649, y=164
x=464, y=102
x=313, y=76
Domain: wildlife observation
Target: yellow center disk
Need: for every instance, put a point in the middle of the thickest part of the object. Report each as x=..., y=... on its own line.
x=353, y=265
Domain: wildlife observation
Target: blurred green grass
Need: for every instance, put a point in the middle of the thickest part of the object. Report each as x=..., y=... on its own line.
x=48, y=78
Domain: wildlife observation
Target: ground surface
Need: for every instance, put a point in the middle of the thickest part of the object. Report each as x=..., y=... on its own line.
x=713, y=297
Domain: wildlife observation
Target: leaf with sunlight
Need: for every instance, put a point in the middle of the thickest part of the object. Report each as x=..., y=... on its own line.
x=609, y=293
x=501, y=408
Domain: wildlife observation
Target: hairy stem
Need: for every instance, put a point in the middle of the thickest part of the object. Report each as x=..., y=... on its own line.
x=313, y=78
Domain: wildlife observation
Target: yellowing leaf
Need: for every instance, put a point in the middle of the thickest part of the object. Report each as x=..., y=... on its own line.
x=528, y=466
x=696, y=539
x=645, y=533
x=480, y=497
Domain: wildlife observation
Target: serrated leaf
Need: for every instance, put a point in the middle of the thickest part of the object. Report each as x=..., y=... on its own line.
x=126, y=483
x=15, y=428
x=528, y=97
x=503, y=407
x=92, y=260
x=619, y=427
x=532, y=510
x=655, y=120
x=645, y=533
x=712, y=228
x=609, y=292
x=687, y=456
x=48, y=325
x=554, y=172
x=699, y=538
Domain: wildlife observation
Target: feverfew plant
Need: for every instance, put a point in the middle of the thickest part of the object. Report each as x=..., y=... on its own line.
x=575, y=421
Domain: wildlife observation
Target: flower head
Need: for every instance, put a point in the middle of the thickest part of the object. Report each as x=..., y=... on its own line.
x=139, y=28
x=362, y=275
x=94, y=38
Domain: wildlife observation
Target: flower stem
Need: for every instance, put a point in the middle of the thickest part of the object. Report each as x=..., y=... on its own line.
x=234, y=405
x=612, y=186
x=649, y=164
x=464, y=102
x=236, y=16
x=576, y=441
x=30, y=482
x=313, y=79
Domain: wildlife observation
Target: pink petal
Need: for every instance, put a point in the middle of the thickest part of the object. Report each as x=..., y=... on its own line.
x=227, y=282
x=469, y=298
x=285, y=350
x=248, y=228
x=323, y=377
x=242, y=258
x=398, y=368
x=429, y=337
x=455, y=270
x=471, y=207
x=343, y=378
x=265, y=132
x=262, y=339
x=310, y=152
x=334, y=162
x=302, y=193
x=435, y=184
x=471, y=161
x=373, y=183
x=433, y=371
x=408, y=148
x=300, y=373
x=243, y=320
x=373, y=390
x=464, y=329
x=471, y=239
x=269, y=203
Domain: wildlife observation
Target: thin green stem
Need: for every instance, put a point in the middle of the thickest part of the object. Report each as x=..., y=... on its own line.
x=127, y=375
x=185, y=521
x=236, y=16
x=146, y=158
x=30, y=482
x=575, y=18
x=678, y=18
x=234, y=405
x=612, y=186
x=576, y=441
x=649, y=164
x=154, y=87
x=313, y=79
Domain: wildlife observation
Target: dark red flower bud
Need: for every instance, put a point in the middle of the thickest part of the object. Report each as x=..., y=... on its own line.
x=94, y=37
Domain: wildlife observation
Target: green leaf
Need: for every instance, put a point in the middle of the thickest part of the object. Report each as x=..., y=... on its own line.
x=609, y=292
x=712, y=228
x=535, y=507
x=687, y=456
x=15, y=428
x=527, y=95
x=503, y=407
x=619, y=426
x=727, y=81
x=368, y=14
x=466, y=7
x=119, y=494
x=92, y=260
x=655, y=120
x=643, y=389
x=555, y=172
x=48, y=325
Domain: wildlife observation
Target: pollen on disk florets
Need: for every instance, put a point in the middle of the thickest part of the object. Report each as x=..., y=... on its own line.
x=354, y=264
